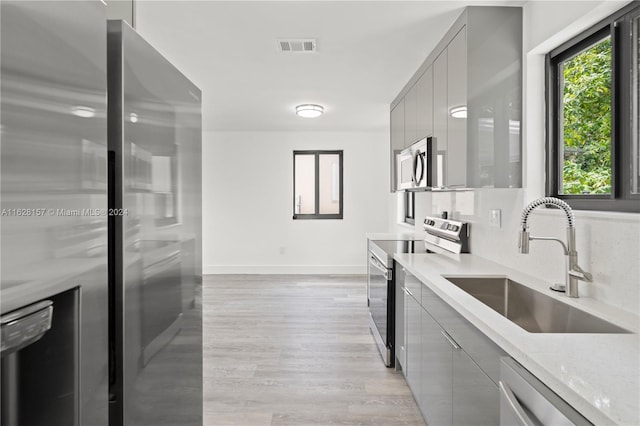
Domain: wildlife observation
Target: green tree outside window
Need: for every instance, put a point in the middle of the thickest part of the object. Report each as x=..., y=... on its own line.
x=586, y=121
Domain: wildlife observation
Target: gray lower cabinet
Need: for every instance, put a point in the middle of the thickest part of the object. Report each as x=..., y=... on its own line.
x=413, y=343
x=476, y=398
x=437, y=365
x=451, y=378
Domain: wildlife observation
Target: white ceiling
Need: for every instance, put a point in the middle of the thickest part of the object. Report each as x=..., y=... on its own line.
x=366, y=52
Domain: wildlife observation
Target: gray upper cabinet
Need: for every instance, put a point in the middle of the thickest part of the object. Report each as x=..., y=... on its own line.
x=410, y=116
x=397, y=140
x=424, y=109
x=449, y=129
x=494, y=97
x=474, y=100
x=456, y=101
x=440, y=119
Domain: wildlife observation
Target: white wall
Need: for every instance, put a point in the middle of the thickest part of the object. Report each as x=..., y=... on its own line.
x=608, y=243
x=248, y=203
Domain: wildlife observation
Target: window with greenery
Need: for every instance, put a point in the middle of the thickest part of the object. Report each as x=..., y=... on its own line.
x=410, y=207
x=586, y=121
x=592, y=137
x=317, y=184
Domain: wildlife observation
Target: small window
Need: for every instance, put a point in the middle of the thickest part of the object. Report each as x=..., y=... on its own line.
x=410, y=207
x=584, y=137
x=317, y=185
x=592, y=127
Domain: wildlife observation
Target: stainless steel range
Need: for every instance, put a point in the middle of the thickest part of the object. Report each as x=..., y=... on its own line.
x=443, y=235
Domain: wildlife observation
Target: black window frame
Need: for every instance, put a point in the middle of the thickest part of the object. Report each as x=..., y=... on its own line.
x=317, y=214
x=410, y=207
x=618, y=26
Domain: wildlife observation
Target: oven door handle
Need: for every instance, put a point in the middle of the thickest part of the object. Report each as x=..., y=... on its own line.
x=375, y=262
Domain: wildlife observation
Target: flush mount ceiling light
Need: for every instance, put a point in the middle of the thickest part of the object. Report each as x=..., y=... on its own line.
x=133, y=117
x=458, y=111
x=83, y=111
x=309, y=110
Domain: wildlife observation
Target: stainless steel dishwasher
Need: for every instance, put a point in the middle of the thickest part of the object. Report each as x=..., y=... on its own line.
x=381, y=291
x=526, y=401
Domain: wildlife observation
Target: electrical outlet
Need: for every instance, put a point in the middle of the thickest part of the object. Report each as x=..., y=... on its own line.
x=495, y=218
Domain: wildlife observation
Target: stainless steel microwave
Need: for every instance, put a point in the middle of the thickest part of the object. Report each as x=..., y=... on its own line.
x=414, y=166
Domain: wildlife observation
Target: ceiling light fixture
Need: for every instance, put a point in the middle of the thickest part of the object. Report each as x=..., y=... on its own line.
x=133, y=117
x=458, y=111
x=309, y=110
x=83, y=111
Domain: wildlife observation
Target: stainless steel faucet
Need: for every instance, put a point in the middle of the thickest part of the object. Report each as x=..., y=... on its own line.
x=574, y=272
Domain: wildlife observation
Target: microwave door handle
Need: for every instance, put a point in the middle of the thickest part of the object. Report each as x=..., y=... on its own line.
x=419, y=159
x=413, y=168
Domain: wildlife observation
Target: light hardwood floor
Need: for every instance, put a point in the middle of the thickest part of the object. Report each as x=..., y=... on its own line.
x=296, y=350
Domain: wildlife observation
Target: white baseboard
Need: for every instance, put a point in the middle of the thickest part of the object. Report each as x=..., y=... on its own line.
x=285, y=269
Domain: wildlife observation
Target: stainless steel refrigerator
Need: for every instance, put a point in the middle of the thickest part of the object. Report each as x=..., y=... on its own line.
x=100, y=232
x=155, y=272
x=53, y=197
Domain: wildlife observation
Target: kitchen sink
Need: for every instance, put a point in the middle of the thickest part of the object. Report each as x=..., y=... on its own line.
x=530, y=309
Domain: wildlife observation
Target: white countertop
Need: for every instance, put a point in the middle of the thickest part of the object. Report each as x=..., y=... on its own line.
x=598, y=374
x=395, y=236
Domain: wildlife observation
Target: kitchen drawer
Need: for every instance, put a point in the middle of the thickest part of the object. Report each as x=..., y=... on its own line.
x=478, y=346
x=414, y=286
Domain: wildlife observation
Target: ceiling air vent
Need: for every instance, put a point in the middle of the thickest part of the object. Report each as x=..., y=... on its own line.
x=297, y=45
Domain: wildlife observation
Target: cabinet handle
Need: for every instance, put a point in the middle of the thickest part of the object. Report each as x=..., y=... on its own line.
x=450, y=339
x=507, y=394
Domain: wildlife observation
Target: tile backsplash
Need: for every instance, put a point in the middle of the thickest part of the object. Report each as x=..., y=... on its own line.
x=608, y=243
